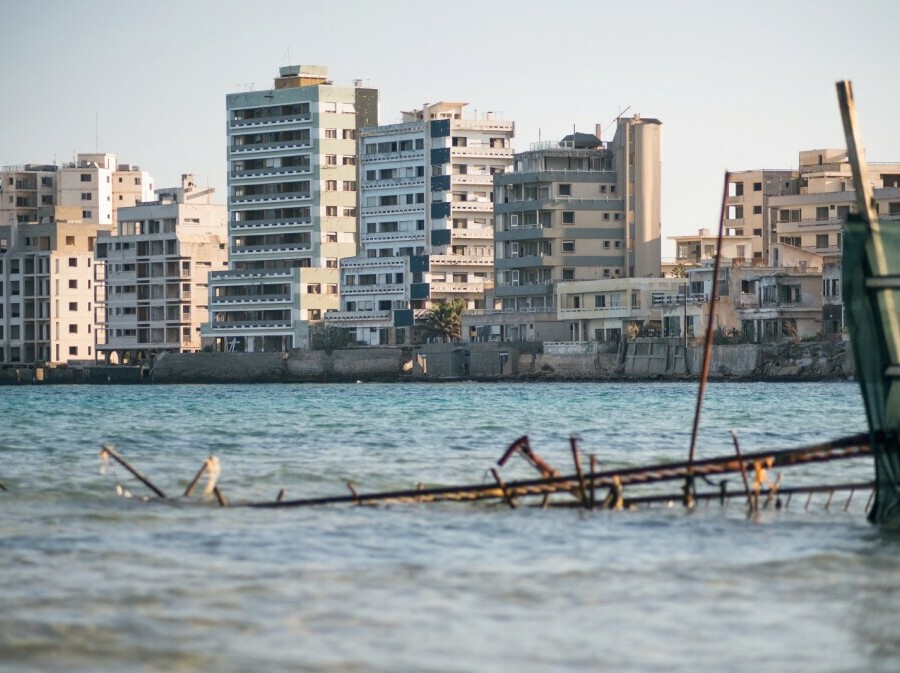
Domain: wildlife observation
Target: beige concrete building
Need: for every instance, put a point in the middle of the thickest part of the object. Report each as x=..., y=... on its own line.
x=50, y=219
x=579, y=209
x=292, y=203
x=151, y=274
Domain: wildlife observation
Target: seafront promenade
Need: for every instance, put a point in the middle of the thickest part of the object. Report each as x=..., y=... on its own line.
x=640, y=359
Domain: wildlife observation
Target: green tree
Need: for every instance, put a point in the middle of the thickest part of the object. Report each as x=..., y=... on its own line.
x=442, y=320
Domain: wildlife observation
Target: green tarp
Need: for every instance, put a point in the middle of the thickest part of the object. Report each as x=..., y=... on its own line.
x=871, y=282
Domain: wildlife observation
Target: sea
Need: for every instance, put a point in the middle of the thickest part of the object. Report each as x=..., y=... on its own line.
x=99, y=574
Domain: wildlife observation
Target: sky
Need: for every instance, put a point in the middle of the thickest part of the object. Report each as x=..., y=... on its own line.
x=737, y=85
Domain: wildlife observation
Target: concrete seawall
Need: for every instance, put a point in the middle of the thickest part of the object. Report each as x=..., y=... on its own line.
x=642, y=359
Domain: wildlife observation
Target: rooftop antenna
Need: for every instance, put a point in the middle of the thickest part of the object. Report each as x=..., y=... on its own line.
x=618, y=116
x=286, y=59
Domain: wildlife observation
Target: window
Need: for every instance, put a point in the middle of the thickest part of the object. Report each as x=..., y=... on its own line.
x=821, y=240
x=568, y=274
x=822, y=213
x=757, y=232
x=86, y=214
x=606, y=216
x=757, y=210
x=348, y=134
x=331, y=211
x=757, y=186
x=331, y=159
x=791, y=240
x=85, y=196
x=70, y=240
x=606, y=244
x=85, y=177
x=331, y=185
x=568, y=217
x=331, y=133
x=565, y=190
x=73, y=328
x=349, y=161
x=73, y=305
x=331, y=237
x=137, y=181
x=599, y=301
x=349, y=185
x=568, y=245
x=73, y=284
x=331, y=263
x=73, y=350
x=736, y=189
x=73, y=261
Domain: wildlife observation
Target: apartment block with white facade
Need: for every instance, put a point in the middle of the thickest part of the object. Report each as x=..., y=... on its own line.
x=51, y=218
x=151, y=274
x=426, y=219
x=292, y=203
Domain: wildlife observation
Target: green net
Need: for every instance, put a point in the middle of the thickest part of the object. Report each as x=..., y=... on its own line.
x=871, y=285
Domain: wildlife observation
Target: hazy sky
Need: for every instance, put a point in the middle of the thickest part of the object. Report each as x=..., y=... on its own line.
x=737, y=85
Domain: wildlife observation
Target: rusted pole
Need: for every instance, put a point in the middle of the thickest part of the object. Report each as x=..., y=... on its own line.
x=707, y=347
x=353, y=491
x=196, y=479
x=107, y=451
x=280, y=496
x=220, y=497
x=506, y=493
x=593, y=486
x=737, y=450
x=847, y=504
x=576, y=458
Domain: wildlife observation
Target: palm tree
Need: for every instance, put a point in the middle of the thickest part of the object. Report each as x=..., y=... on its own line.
x=442, y=320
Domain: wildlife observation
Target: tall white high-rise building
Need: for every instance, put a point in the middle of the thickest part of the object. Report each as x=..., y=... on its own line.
x=426, y=219
x=292, y=203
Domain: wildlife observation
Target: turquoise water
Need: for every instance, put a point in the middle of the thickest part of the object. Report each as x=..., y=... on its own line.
x=96, y=581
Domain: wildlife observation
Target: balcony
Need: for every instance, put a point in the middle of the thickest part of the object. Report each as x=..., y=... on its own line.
x=244, y=225
x=457, y=288
x=262, y=147
x=482, y=152
x=257, y=122
x=269, y=198
x=478, y=233
x=375, y=288
x=273, y=248
x=244, y=300
x=250, y=324
x=357, y=316
x=411, y=236
x=598, y=312
x=286, y=171
x=461, y=260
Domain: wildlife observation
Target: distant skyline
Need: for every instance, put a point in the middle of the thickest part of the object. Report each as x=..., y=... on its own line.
x=738, y=86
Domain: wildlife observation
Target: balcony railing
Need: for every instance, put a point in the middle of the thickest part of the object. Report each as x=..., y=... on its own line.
x=357, y=316
x=252, y=299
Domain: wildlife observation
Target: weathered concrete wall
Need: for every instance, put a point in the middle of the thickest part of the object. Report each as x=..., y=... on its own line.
x=646, y=358
x=296, y=366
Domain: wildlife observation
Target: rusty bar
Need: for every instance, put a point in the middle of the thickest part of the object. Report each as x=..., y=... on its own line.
x=506, y=494
x=737, y=451
x=593, y=485
x=353, y=491
x=576, y=458
x=808, y=499
x=849, y=498
x=828, y=503
x=220, y=497
x=108, y=450
x=512, y=448
x=869, y=501
x=280, y=496
x=850, y=447
x=707, y=349
x=196, y=479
